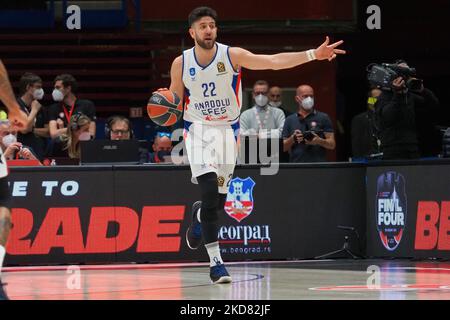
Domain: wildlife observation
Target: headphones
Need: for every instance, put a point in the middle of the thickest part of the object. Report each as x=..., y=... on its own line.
x=111, y=120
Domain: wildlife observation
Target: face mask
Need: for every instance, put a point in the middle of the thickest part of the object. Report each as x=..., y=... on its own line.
x=84, y=136
x=371, y=103
x=57, y=95
x=261, y=100
x=163, y=153
x=38, y=94
x=308, y=103
x=275, y=104
x=9, y=139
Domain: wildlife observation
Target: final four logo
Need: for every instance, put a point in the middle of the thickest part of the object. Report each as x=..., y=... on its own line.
x=391, y=209
x=239, y=203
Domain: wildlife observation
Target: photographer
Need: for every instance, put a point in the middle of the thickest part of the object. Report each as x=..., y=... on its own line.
x=395, y=110
x=308, y=133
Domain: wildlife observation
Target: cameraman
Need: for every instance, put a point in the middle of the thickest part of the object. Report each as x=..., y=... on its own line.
x=426, y=107
x=308, y=133
x=396, y=114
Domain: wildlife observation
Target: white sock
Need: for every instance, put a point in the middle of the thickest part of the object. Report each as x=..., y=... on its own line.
x=198, y=215
x=2, y=257
x=214, y=253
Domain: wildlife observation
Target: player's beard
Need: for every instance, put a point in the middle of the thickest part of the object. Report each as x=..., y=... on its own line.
x=208, y=44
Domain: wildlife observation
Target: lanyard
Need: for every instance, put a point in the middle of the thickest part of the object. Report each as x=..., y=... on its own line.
x=258, y=119
x=69, y=114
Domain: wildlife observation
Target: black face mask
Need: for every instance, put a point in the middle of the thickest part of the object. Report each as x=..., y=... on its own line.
x=163, y=153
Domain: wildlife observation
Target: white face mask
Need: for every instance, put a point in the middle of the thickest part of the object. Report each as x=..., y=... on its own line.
x=38, y=94
x=275, y=104
x=9, y=139
x=308, y=103
x=57, y=95
x=84, y=136
x=261, y=100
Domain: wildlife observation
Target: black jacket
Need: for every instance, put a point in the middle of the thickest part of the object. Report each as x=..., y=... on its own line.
x=397, y=121
x=427, y=109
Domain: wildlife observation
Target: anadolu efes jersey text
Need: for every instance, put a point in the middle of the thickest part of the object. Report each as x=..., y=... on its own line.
x=213, y=93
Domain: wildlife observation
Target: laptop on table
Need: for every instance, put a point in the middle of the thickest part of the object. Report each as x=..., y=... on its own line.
x=97, y=152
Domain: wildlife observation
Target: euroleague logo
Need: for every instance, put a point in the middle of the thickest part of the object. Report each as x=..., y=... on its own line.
x=391, y=209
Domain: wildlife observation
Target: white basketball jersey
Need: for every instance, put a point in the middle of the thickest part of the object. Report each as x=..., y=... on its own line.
x=213, y=93
x=3, y=165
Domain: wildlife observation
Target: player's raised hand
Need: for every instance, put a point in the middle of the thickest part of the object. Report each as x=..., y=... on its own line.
x=328, y=51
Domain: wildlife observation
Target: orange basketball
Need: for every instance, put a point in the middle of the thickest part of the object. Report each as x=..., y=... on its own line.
x=164, y=107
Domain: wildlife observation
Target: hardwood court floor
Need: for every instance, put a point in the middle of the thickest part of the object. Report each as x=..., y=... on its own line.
x=270, y=280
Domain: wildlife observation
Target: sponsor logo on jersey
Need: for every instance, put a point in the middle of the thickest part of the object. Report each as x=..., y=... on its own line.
x=221, y=67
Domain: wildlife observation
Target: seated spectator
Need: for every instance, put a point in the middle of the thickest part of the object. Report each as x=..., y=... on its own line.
x=162, y=148
x=118, y=128
x=36, y=131
x=262, y=120
x=67, y=104
x=68, y=145
x=121, y=128
x=309, y=133
x=12, y=149
x=275, y=100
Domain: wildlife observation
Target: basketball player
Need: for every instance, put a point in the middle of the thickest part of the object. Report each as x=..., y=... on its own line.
x=208, y=76
x=18, y=119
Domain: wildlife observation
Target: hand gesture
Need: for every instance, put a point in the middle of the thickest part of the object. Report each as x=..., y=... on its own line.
x=329, y=52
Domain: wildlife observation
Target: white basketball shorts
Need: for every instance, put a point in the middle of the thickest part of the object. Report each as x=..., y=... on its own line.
x=212, y=148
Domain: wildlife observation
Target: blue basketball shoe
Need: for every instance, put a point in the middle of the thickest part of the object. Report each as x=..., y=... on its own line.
x=219, y=274
x=194, y=232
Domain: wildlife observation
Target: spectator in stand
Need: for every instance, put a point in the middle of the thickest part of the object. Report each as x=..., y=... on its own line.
x=68, y=144
x=262, y=120
x=162, y=148
x=366, y=143
x=36, y=132
x=308, y=133
x=118, y=128
x=275, y=100
x=12, y=149
x=67, y=104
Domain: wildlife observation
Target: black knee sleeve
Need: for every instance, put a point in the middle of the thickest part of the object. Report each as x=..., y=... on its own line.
x=5, y=197
x=209, y=197
x=222, y=199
